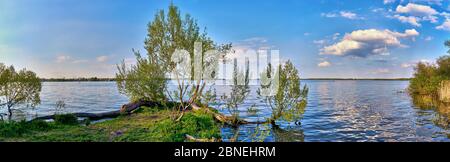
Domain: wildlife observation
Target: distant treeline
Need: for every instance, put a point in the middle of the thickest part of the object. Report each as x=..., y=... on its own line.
x=92, y=79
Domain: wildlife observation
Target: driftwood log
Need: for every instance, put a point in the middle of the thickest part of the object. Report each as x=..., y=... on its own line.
x=125, y=109
x=133, y=106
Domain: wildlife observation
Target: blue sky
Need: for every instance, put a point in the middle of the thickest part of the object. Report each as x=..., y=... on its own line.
x=324, y=38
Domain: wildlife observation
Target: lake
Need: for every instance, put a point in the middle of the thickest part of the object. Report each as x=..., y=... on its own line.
x=337, y=110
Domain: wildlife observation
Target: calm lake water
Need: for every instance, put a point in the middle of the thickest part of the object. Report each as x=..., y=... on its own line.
x=336, y=111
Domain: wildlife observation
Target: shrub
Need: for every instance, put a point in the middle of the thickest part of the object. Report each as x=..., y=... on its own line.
x=14, y=129
x=427, y=77
x=66, y=119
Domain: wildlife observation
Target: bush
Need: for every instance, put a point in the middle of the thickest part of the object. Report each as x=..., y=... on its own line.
x=427, y=77
x=14, y=129
x=66, y=119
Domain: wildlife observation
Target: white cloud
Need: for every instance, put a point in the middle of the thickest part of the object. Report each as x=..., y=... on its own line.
x=388, y=1
x=329, y=15
x=416, y=10
x=362, y=43
x=324, y=64
x=319, y=42
x=102, y=58
x=79, y=61
x=445, y=15
x=336, y=36
x=410, y=19
x=343, y=14
x=429, y=38
x=348, y=15
x=445, y=26
x=254, y=43
x=406, y=65
x=62, y=58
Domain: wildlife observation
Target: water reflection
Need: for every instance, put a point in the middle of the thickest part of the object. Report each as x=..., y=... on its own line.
x=442, y=117
x=354, y=111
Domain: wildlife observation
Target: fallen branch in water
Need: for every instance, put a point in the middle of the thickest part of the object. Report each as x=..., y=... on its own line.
x=227, y=119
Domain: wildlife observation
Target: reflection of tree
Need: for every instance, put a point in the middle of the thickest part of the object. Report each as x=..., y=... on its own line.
x=289, y=134
x=266, y=132
x=442, y=116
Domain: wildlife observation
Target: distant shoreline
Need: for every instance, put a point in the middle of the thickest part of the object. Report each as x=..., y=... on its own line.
x=113, y=79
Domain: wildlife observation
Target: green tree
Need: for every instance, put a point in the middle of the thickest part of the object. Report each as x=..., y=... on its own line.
x=18, y=88
x=239, y=91
x=143, y=81
x=289, y=100
x=443, y=64
x=427, y=76
x=167, y=33
x=425, y=80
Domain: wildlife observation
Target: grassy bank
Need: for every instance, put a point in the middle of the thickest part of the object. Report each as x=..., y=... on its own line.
x=147, y=125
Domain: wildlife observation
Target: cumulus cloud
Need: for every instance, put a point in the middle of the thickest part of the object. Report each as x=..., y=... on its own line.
x=409, y=19
x=362, y=43
x=324, y=64
x=416, y=10
x=445, y=26
x=414, y=13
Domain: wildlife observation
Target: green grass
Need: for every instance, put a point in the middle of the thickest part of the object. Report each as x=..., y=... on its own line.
x=147, y=125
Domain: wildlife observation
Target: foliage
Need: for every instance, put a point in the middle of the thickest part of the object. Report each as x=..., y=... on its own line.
x=288, y=101
x=427, y=76
x=14, y=129
x=425, y=80
x=168, y=34
x=144, y=80
x=66, y=119
x=18, y=88
x=239, y=91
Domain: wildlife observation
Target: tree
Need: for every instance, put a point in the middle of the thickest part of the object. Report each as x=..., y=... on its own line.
x=425, y=80
x=143, y=81
x=443, y=64
x=239, y=91
x=18, y=88
x=288, y=100
x=168, y=34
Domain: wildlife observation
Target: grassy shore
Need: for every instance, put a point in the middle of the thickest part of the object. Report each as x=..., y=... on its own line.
x=147, y=125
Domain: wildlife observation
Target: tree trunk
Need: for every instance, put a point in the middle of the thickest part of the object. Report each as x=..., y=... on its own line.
x=125, y=109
